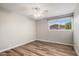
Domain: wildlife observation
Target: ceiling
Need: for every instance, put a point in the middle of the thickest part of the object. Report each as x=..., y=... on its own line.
x=27, y=9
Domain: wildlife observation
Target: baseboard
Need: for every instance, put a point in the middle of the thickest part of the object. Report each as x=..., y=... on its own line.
x=32, y=41
x=17, y=45
x=76, y=51
x=57, y=42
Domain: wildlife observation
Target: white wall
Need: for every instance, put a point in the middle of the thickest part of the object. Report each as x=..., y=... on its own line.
x=76, y=29
x=15, y=30
x=63, y=37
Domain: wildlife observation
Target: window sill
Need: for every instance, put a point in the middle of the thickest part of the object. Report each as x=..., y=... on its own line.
x=59, y=30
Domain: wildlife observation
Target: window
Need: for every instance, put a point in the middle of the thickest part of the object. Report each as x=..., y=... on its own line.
x=60, y=24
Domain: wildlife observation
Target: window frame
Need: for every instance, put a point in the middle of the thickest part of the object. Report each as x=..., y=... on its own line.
x=62, y=29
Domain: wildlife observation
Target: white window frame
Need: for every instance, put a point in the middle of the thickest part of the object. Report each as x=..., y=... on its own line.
x=62, y=29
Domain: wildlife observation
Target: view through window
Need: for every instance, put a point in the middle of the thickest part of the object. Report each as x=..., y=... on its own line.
x=60, y=24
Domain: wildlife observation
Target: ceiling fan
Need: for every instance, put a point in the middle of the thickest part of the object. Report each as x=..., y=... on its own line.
x=38, y=12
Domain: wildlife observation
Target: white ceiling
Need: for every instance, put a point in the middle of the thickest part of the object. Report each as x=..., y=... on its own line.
x=26, y=9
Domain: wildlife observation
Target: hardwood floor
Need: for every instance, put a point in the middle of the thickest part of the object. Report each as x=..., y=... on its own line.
x=40, y=48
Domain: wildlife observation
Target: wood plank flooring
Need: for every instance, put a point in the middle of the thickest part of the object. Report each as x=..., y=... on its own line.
x=40, y=48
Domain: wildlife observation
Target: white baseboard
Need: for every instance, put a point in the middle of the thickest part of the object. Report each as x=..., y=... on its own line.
x=32, y=41
x=76, y=51
x=17, y=45
x=56, y=42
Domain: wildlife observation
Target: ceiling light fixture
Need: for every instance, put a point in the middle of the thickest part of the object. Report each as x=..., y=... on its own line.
x=39, y=13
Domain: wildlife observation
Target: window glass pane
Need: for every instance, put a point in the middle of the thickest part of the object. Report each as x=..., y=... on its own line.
x=60, y=24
